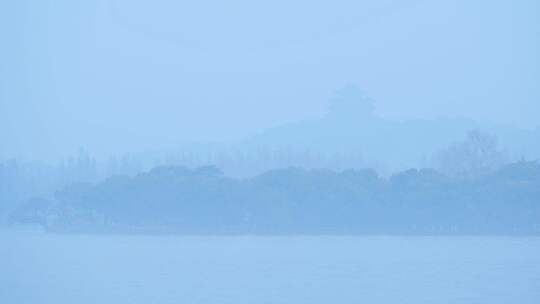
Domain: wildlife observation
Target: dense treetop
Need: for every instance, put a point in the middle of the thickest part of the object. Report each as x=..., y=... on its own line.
x=297, y=201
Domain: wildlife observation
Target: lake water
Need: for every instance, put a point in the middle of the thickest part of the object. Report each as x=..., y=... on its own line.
x=45, y=268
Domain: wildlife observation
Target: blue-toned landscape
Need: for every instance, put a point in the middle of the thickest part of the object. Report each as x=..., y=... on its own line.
x=346, y=151
x=296, y=201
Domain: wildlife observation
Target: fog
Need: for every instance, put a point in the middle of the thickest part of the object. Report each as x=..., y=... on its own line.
x=125, y=77
x=346, y=151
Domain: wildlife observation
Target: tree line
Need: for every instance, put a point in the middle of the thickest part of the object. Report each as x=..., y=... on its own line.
x=175, y=199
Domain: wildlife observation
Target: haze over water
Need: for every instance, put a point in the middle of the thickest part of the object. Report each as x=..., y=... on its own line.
x=345, y=151
x=40, y=268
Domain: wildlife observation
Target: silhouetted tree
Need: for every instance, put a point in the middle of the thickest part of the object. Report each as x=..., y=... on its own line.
x=296, y=200
x=477, y=155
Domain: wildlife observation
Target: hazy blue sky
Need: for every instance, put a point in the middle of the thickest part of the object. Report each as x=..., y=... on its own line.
x=126, y=75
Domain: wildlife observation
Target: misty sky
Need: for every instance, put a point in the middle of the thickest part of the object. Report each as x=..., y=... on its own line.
x=115, y=76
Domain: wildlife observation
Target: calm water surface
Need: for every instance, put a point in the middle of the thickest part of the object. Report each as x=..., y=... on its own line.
x=47, y=268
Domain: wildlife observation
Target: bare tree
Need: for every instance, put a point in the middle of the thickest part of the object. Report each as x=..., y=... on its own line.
x=477, y=155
